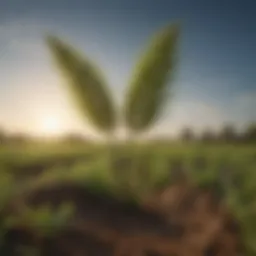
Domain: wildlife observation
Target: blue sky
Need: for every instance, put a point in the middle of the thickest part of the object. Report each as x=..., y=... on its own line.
x=216, y=82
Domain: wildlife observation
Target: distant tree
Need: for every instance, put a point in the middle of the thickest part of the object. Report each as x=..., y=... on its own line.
x=3, y=137
x=187, y=134
x=208, y=136
x=228, y=134
x=18, y=139
x=73, y=138
x=250, y=133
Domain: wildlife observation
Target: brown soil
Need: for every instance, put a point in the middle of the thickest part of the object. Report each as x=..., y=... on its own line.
x=180, y=220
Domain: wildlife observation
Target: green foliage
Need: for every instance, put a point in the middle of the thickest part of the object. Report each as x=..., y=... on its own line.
x=8, y=189
x=250, y=135
x=228, y=133
x=148, y=92
x=228, y=169
x=86, y=85
x=45, y=220
x=7, y=186
x=28, y=251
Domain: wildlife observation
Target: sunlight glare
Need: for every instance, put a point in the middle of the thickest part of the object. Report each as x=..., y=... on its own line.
x=51, y=126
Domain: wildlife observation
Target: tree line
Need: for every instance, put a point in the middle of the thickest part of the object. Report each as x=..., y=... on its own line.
x=227, y=134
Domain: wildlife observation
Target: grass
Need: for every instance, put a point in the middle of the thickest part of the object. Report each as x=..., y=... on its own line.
x=229, y=170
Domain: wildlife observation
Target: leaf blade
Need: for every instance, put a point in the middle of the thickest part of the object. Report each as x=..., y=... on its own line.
x=85, y=83
x=147, y=94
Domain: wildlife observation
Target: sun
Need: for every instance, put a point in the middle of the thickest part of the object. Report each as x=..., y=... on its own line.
x=51, y=126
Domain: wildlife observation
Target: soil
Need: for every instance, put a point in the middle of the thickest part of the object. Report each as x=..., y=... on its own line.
x=180, y=220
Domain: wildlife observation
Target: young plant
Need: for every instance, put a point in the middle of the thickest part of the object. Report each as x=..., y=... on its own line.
x=150, y=86
x=145, y=98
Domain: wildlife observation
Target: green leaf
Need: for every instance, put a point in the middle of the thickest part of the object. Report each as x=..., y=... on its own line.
x=87, y=86
x=150, y=86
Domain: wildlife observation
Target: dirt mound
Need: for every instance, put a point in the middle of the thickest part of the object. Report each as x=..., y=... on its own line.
x=210, y=228
x=180, y=221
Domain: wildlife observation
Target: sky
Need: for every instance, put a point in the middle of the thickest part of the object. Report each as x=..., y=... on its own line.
x=215, y=83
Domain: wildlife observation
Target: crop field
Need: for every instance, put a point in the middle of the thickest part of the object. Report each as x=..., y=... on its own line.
x=127, y=172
